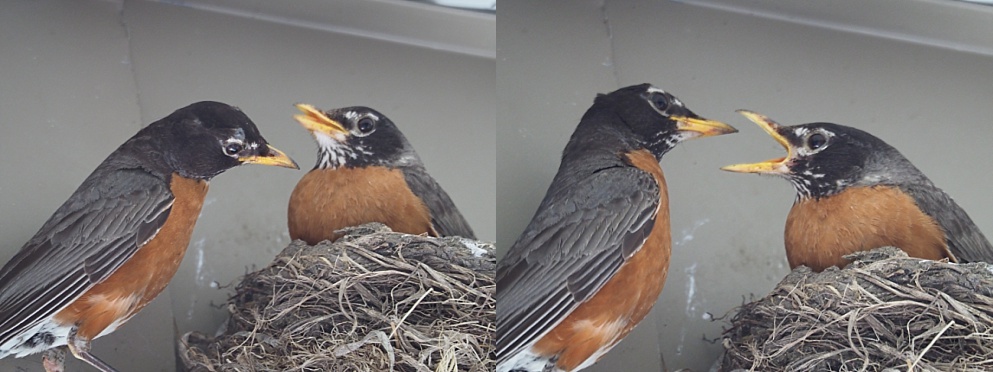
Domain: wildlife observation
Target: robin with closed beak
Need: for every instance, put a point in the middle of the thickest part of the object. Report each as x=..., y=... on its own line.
x=593, y=260
x=119, y=239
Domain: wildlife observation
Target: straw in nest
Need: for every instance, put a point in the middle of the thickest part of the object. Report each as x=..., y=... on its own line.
x=883, y=311
x=374, y=300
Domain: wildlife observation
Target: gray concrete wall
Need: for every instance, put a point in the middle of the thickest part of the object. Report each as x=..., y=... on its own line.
x=921, y=79
x=77, y=78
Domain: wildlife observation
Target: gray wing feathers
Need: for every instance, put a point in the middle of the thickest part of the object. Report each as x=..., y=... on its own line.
x=964, y=238
x=577, y=241
x=445, y=217
x=92, y=234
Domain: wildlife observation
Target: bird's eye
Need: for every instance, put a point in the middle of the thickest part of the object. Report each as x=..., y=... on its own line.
x=816, y=141
x=233, y=148
x=658, y=99
x=366, y=125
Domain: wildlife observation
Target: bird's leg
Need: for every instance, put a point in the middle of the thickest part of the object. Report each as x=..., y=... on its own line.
x=80, y=348
x=54, y=359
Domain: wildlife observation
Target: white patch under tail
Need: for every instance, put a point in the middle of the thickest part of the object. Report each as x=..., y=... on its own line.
x=49, y=333
x=526, y=360
x=44, y=336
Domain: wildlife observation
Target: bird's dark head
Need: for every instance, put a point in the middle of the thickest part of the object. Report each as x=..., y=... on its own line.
x=355, y=137
x=206, y=138
x=824, y=158
x=657, y=118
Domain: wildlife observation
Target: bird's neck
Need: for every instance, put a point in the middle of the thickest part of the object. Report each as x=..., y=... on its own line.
x=335, y=157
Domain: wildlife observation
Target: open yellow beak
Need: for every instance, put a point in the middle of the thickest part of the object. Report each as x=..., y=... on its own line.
x=275, y=157
x=703, y=127
x=315, y=120
x=771, y=166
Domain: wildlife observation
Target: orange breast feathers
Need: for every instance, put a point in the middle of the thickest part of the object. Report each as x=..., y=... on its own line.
x=326, y=200
x=820, y=232
x=126, y=291
x=607, y=317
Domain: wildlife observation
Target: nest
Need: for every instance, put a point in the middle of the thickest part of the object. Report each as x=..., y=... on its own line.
x=883, y=311
x=374, y=300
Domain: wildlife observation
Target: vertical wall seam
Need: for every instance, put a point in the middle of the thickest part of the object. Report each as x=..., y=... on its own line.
x=611, y=61
x=122, y=20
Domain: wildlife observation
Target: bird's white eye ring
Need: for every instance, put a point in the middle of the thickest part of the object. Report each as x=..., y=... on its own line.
x=659, y=100
x=233, y=148
x=816, y=140
x=366, y=125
